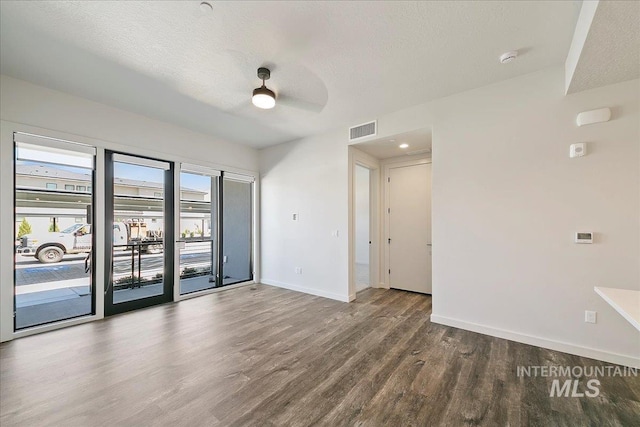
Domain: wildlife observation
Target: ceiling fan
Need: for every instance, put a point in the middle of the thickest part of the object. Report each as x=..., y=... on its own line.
x=265, y=98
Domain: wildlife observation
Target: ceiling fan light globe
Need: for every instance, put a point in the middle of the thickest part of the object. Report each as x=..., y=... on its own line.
x=263, y=98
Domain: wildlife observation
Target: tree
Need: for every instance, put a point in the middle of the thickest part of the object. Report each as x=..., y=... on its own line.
x=54, y=227
x=25, y=228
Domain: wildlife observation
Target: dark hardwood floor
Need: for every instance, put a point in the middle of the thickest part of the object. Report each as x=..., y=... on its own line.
x=267, y=356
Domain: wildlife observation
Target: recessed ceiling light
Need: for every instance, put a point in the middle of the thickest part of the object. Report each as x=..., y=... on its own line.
x=508, y=56
x=403, y=145
x=205, y=7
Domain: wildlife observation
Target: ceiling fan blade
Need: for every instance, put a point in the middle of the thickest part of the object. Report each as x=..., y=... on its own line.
x=242, y=108
x=290, y=101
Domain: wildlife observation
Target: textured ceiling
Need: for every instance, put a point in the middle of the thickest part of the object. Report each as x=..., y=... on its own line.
x=419, y=142
x=333, y=63
x=611, y=53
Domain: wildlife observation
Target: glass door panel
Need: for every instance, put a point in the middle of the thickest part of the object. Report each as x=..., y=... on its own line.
x=198, y=232
x=54, y=183
x=140, y=202
x=236, y=231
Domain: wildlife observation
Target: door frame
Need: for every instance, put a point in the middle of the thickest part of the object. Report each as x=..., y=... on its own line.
x=168, y=233
x=360, y=158
x=387, y=165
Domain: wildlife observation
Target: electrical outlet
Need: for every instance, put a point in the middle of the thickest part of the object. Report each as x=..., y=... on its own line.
x=590, y=316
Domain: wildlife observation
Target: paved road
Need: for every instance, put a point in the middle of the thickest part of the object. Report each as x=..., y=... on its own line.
x=30, y=271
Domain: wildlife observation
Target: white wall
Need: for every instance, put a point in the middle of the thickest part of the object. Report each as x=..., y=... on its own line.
x=307, y=177
x=23, y=102
x=36, y=109
x=506, y=202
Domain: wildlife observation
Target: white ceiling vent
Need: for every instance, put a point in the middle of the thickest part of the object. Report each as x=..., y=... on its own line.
x=364, y=130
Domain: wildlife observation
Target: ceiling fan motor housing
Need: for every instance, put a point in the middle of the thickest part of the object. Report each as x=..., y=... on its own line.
x=264, y=73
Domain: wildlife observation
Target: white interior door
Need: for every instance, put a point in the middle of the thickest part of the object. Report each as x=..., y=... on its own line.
x=410, y=228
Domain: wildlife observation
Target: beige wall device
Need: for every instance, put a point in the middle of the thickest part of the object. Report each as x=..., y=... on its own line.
x=593, y=116
x=584, y=237
x=578, y=149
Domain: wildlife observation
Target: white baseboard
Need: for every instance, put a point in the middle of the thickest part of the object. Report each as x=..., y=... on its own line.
x=577, y=350
x=312, y=291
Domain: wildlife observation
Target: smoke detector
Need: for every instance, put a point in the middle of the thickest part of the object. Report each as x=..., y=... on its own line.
x=508, y=56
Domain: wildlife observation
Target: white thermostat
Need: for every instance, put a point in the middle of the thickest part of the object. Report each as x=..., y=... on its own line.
x=578, y=149
x=584, y=237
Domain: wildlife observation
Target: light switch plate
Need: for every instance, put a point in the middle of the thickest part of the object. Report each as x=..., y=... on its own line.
x=590, y=316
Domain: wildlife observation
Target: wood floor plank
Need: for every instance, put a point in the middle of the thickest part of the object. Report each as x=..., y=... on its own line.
x=265, y=356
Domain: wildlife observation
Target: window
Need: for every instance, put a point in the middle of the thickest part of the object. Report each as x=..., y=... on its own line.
x=44, y=290
x=81, y=188
x=198, y=258
x=156, y=194
x=89, y=189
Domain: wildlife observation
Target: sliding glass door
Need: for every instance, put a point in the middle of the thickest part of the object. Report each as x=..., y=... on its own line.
x=139, y=217
x=54, y=246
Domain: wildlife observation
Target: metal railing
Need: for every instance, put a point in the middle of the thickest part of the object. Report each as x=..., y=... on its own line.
x=137, y=247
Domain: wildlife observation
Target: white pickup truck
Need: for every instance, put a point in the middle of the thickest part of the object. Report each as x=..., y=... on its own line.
x=51, y=247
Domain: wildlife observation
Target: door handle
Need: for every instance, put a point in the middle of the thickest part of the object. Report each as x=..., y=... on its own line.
x=429, y=244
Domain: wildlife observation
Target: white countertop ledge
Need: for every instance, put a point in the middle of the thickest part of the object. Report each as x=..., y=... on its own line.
x=624, y=301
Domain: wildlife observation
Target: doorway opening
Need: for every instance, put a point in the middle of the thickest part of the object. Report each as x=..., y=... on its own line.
x=363, y=227
x=391, y=228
